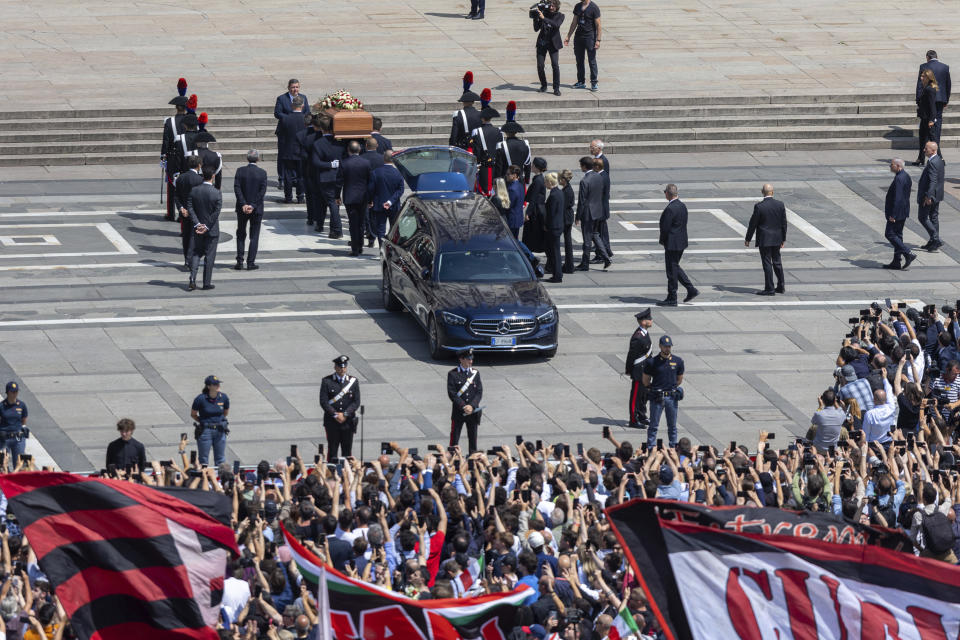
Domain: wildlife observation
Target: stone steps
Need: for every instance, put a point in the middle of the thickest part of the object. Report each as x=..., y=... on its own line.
x=554, y=126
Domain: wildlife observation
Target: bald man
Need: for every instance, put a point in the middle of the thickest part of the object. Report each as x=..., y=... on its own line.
x=769, y=222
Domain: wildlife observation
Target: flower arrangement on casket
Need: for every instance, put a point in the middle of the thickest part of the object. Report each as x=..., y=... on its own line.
x=342, y=99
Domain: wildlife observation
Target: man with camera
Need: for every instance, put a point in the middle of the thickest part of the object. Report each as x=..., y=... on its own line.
x=547, y=20
x=586, y=41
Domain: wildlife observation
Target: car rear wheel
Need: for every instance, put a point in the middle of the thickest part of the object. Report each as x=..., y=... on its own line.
x=390, y=302
x=433, y=340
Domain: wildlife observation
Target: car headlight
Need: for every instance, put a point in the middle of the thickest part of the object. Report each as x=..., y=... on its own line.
x=548, y=317
x=452, y=319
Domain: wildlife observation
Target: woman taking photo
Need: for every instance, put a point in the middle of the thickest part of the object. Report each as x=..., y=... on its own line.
x=209, y=412
x=927, y=112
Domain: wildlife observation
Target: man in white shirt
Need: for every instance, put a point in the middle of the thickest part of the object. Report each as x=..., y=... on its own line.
x=236, y=593
x=882, y=418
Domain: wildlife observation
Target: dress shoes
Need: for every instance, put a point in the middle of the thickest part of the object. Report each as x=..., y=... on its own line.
x=909, y=258
x=893, y=266
x=568, y=269
x=582, y=267
x=318, y=228
x=765, y=292
x=606, y=263
x=469, y=16
x=238, y=266
x=300, y=200
x=191, y=286
x=208, y=287
x=543, y=88
x=479, y=16
x=252, y=267
x=935, y=247
x=354, y=254
x=335, y=236
x=669, y=302
x=691, y=294
x=555, y=280
x=596, y=260
x=637, y=425
x=556, y=92
x=288, y=201
x=780, y=290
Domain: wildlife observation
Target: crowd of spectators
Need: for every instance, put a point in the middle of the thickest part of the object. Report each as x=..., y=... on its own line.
x=879, y=450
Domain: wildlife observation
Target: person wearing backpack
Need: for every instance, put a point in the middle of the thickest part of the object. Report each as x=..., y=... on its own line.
x=932, y=532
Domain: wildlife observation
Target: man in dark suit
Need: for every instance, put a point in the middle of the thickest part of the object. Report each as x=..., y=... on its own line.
x=386, y=191
x=553, y=225
x=356, y=178
x=203, y=205
x=929, y=195
x=590, y=210
x=305, y=140
x=942, y=73
x=673, y=237
x=249, y=186
x=375, y=159
x=769, y=222
x=383, y=143
x=897, y=210
x=283, y=106
x=325, y=158
x=339, y=551
x=184, y=184
x=596, y=151
x=288, y=150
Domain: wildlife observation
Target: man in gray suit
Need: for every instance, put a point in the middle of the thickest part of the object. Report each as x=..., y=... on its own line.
x=929, y=195
x=769, y=222
x=590, y=211
x=203, y=205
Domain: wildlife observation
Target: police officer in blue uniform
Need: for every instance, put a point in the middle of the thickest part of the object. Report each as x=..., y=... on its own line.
x=209, y=412
x=340, y=401
x=662, y=375
x=13, y=422
x=465, y=391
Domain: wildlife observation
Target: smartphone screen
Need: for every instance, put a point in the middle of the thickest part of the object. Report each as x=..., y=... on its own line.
x=236, y=467
x=293, y=451
x=193, y=457
x=316, y=459
x=606, y=431
x=579, y=448
x=519, y=439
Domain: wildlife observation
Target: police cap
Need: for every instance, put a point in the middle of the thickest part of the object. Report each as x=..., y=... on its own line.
x=665, y=341
x=466, y=354
x=645, y=314
x=12, y=387
x=341, y=361
x=212, y=381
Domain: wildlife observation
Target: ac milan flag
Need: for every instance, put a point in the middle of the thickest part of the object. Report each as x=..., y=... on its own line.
x=126, y=560
x=360, y=610
x=761, y=573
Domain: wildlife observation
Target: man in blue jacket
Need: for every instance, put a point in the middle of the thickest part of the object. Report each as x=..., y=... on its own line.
x=897, y=210
x=386, y=190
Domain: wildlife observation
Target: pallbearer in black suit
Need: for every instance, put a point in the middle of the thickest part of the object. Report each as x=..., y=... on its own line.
x=305, y=140
x=325, y=157
x=673, y=237
x=637, y=356
x=466, y=392
x=769, y=222
x=484, y=141
x=467, y=118
x=189, y=178
x=383, y=143
x=203, y=205
x=375, y=158
x=896, y=208
x=340, y=401
x=249, y=186
x=356, y=176
x=209, y=157
x=173, y=127
x=289, y=152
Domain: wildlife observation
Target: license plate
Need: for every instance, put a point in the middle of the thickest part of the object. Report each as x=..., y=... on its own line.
x=503, y=341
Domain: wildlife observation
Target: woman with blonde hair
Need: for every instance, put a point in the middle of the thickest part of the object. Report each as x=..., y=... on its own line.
x=927, y=112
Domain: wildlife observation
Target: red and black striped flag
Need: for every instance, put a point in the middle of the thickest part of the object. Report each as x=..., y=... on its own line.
x=126, y=560
x=760, y=573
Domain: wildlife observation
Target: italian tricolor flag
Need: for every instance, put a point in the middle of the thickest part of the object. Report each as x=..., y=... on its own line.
x=623, y=626
x=342, y=601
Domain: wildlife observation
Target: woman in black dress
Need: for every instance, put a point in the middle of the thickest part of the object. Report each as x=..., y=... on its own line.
x=927, y=112
x=569, y=199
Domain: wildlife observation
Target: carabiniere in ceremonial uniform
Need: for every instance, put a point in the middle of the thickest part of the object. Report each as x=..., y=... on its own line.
x=465, y=391
x=637, y=355
x=340, y=400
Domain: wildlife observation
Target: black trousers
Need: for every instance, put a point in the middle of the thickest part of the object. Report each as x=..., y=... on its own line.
x=568, y=247
x=186, y=239
x=591, y=235
x=171, y=208
x=457, y=420
x=314, y=203
x=770, y=258
x=203, y=246
x=929, y=217
x=477, y=6
x=328, y=203
x=929, y=134
x=894, y=235
x=554, y=257
x=675, y=273
x=604, y=230
x=638, y=402
x=291, y=178
x=340, y=438
x=355, y=218
x=542, y=53
x=586, y=46
x=254, y=221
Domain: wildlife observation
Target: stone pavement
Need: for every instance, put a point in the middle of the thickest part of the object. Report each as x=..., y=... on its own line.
x=97, y=324
x=90, y=54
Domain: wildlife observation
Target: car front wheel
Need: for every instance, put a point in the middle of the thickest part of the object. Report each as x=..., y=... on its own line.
x=433, y=340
